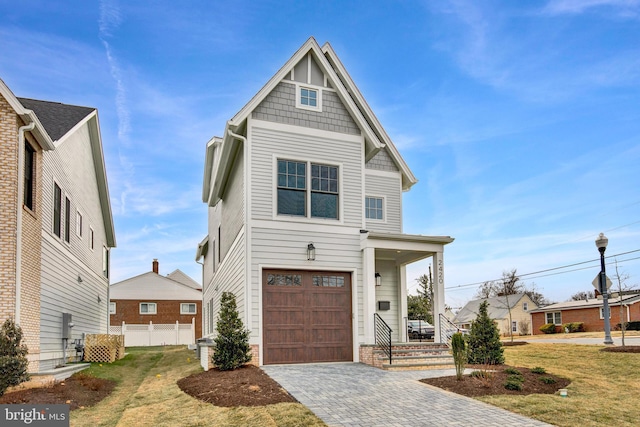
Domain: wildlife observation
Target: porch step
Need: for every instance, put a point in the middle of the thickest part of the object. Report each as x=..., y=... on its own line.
x=412, y=356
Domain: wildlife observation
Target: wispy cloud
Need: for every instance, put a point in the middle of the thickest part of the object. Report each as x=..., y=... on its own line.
x=110, y=19
x=621, y=8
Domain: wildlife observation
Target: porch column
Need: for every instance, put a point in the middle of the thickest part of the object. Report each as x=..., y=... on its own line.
x=368, y=293
x=438, y=292
x=402, y=304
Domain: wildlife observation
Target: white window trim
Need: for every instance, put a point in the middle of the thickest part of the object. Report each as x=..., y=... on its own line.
x=155, y=307
x=514, y=326
x=53, y=211
x=384, y=208
x=318, y=89
x=66, y=211
x=553, y=314
x=189, y=312
x=601, y=312
x=308, y=218
x=525, y=306
x=92, y=236
x=111, y=303
x=79, y=224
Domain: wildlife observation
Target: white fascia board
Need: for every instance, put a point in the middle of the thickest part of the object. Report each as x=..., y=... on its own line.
x=408, y=178
x=28, y=116
x=208, y=167
x=222, y=165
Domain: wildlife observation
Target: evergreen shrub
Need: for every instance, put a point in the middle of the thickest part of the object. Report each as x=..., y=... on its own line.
x=483, y=341
x=13, y=356
x=231, y=346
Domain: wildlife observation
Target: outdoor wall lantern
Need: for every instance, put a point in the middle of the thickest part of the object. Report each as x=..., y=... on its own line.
x=378, y=279
x=311, y=252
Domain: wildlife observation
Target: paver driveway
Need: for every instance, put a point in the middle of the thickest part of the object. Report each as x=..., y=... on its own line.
x=354, y=394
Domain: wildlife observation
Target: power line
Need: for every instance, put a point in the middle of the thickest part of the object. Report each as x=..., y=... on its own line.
x=551, y=269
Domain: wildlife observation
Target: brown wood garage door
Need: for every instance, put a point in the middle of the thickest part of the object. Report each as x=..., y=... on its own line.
x=306, y=316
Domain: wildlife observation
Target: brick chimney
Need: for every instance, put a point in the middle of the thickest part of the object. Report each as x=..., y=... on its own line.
x=155, y=265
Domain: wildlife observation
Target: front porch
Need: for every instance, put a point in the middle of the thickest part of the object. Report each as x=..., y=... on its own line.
x=407, y=356
x=385, y=260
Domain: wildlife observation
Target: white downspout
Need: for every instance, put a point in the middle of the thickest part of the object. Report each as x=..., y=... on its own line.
x=19, y=203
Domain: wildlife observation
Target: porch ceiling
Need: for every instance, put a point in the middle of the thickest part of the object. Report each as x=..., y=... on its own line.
x=403, y=248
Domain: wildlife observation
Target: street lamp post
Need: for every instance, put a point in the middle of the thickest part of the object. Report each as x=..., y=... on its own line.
x=601, y=244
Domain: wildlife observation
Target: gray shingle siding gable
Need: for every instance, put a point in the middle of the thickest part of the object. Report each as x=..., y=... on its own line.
x=382, y=161
x=280, y=107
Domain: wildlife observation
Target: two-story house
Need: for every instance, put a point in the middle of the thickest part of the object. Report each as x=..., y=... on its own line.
x=56, y=227
x=304, y=192
x=512, y=313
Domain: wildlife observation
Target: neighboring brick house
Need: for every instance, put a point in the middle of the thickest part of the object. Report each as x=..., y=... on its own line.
x=56, y=227
x=588, y=311
x=304, y=195
x=498, y=310
x=151, y=297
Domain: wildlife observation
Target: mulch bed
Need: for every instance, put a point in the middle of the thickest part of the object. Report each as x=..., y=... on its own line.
x=245, y=386
x=625, y=349
x=78, y=391
x=474, y=387
x=512, y=344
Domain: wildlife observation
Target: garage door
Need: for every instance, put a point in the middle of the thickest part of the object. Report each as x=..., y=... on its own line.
x=306, y=316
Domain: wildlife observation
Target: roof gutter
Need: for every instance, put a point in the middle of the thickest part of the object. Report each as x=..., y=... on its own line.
x=223, y=167
x=19, y=202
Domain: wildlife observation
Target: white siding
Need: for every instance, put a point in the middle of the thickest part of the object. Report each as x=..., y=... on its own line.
x=71, y=166
x=333, y=148
x=388, y=291
x=230, y=277
x=387, y=185
x=287, y=249
x=232, y=205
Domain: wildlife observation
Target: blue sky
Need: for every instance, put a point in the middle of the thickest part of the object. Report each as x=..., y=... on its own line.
x=521, y=120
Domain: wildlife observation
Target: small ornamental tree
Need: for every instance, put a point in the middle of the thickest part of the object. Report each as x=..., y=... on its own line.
x=13, y=356
x=484, y=346
x=459, y=354
x=231, y=349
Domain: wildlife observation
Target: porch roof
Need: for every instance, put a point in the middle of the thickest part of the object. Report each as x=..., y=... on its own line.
x=403, y=248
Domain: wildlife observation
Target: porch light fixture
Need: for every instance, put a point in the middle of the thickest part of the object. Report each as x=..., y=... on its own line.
x=311, y=252
x=378, y=279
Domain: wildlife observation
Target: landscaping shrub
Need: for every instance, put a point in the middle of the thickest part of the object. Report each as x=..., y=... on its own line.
x=512, y=371
x=13, y=356
x=630, y=326
x=548, y=328
x=512, y=384
x=547, y=380
x=538, y=370
x=515, y=378
x=573, y=327
x=483, y=342
x=231, y=349
x=459, y=353
x=484, y=376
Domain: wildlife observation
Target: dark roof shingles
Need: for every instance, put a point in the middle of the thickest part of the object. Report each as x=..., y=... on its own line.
x=57, y=118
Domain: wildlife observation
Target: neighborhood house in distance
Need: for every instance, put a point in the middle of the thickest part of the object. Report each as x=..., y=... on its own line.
x=498, y=310
x=151, y=309
x=304, y=192
x=56, y=228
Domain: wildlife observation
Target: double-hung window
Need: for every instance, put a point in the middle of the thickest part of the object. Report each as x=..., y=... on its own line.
x=374, y=208
x=57, y=210
x=148, y=308
x=314, y=196
x=554, y=317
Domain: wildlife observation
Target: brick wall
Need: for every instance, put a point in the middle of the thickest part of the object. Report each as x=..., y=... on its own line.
x=8, y=198
x=128, y=311
x=589, y=316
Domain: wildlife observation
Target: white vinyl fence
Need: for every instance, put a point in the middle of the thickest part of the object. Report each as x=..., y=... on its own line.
x=156, y=334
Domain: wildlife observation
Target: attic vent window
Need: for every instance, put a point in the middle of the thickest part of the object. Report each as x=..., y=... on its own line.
x=308, y=98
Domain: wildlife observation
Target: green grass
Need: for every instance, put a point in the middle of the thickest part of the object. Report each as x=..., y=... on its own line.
x=147, y=395
x=604, y=388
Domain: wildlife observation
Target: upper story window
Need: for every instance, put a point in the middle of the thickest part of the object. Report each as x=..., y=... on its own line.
x=187, y=308
x=105, y=261
x=79, y=225
x=525, y=306
x=308, y=98
x=374, y=207
x=148, y=308
x=91, y=237
x=67, y=220
x=57, y=210
x=29, y=174
x=298, y=197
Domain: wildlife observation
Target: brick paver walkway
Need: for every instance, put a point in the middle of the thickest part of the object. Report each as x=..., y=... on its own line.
x=357, y=395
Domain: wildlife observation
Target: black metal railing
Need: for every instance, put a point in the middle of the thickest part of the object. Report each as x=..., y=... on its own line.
x=382, y=332
x=447, y=329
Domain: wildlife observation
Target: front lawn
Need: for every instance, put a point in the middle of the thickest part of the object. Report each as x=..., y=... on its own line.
x=604, y=386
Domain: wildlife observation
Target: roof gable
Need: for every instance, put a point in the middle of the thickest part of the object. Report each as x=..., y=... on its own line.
x=497, y=307
x=153, y=286
x=322, y=60
x=57, y=118
x=179, y=276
